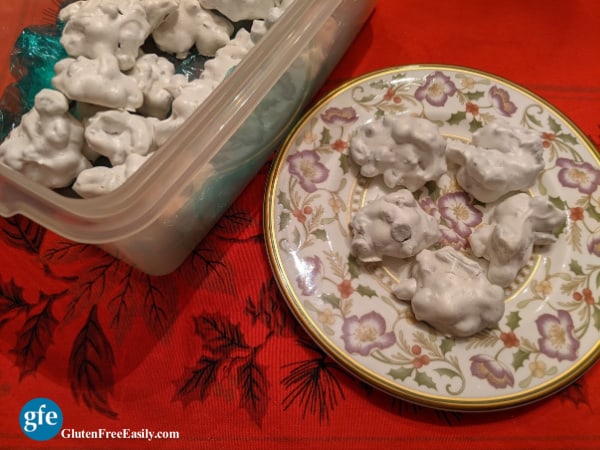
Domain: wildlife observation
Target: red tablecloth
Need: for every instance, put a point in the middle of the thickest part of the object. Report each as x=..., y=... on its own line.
x=211, y=351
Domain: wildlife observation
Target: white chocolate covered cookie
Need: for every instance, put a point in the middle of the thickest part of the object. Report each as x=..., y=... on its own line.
x=95, y=27
x=451, y=293
x=47, y=146
x=100, y=180
x=192, y=25
x=502, y=158
x=228, y=57
x=408, y=151
x=237, y=10
x=155, y=76
x=393, y=225
x=516, y=225
x=117, y=134
x=97, y=81
x=187, y=99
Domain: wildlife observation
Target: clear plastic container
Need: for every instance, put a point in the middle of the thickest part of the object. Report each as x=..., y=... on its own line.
x=163, y=211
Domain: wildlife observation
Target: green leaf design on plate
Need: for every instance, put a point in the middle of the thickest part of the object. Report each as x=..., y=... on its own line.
x=379, y=84
x=284, y=201
x=320, y=234
x=457, y=117
x=296, y=237
x=593, y=212
x=533, y=120
x=325, y=136
x=558, y=203
x=558, y=231
x=568, y=138
x=553, y=124
x=433, y=190
x=443, y=371
x=597, y=317
x=575, y=267
x=366, y=99
x=475, y=125
x=345, y=163
x=401, y=373
x=366, y=291
x=519, y=358
x=513, y=320
x=284, y=220
x=446, y=345
x=423, y=379
x=473, y=95
x=353, y=266
x=332, y=299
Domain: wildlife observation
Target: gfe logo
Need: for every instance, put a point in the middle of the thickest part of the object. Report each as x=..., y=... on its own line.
x=41, y=419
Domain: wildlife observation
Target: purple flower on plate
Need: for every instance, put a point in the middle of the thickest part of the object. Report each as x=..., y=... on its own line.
x=492, y=370
x=452, y=239
x=307, y=167
x=436, y=90
x=557, y=339
x=501, y=100
x=458, y=210
x=429, y=205
x=362, y=335
x=309, y=274
x=339, y=116
x=593, y=244
x=580, y=175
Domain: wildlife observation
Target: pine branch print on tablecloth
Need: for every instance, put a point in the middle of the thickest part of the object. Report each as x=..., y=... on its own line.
x=313, y=385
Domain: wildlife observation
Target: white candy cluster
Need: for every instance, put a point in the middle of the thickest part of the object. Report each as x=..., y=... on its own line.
x=393, y=225
x=501, y=159
x=236, y=10
x=409, y=151
x=450, y=291
x=129, y=102
x=46, y=146
x=516, y=225
x=456, y=294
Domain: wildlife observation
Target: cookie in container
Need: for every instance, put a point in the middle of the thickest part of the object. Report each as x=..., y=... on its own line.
x=163, y=210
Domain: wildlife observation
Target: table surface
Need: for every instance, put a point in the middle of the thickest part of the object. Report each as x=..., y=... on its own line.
x=211, y=351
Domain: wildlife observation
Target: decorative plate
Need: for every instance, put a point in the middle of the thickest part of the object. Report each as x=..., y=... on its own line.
x=550, y=332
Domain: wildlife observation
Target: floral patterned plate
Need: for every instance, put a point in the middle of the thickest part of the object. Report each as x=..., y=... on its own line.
x=550, y=332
